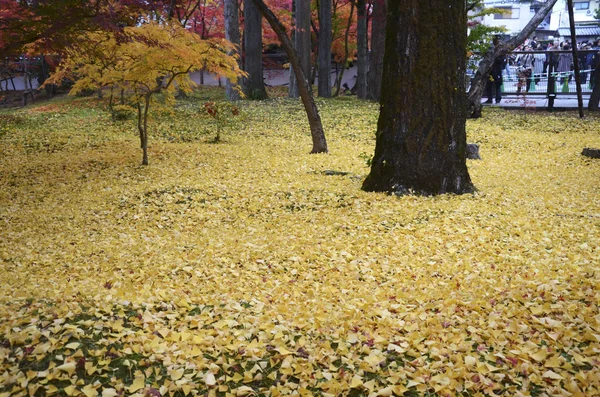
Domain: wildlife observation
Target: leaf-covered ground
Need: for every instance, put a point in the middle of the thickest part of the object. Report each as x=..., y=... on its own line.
x=243, y=268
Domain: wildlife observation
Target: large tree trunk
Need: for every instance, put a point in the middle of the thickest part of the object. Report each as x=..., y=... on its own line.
x=421, y=137
x=254, y=86
x=232, y=33
x=377, y=49
x=500, y=50
x=312, y=112
x=361, y=46
x=302, y=42
x=325, y=48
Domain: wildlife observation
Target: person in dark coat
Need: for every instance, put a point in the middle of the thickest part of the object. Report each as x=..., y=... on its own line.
x=494, y=82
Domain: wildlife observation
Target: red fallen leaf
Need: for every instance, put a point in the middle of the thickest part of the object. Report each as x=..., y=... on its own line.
x=152, y=392
x=475, y=378
x=80, y=364
x=513, y=360
x=28, y=350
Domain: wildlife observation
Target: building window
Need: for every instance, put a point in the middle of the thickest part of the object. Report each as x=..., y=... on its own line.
x=581, y=5
x=508, y=13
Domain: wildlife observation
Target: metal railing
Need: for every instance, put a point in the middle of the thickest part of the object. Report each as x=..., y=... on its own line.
x=546, y=79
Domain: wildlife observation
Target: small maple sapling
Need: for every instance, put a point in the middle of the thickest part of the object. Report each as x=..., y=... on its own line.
x=221, y=113
x=142, y=61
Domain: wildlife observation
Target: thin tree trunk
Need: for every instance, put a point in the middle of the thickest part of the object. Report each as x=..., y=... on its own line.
x=361, y=45
x=481, y=76
x=254, y=86
x=26, y=82
x=110, y=106
x=575, y=58
x=324, y=89
x=171, y=11
x=377, y=49
x=232, y=33
x=139, y=124
x=301, y=43
x=292, y=89
x=338, y=83
x=421, y=135
x=594, y=100
x=312, y=112
x=145, y=128
x=314, y=67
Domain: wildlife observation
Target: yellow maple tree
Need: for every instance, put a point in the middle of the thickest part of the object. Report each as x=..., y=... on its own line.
x=142, y=61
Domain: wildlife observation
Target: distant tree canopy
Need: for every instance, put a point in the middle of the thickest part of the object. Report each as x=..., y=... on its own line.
x=480, y=36
x=50, y=25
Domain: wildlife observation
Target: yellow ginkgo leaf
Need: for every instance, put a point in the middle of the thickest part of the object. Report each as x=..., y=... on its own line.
x=551, y=375
x=470, y=361
x=89, y=391
x=283, y=351
x=73, y=345
x=186, y=389
x=540, y=355
x=356, y=382
x=243, y=391
x=210, y=379
x=138, y=383
x=68, y=367
x=177, y=374
x=110, y=392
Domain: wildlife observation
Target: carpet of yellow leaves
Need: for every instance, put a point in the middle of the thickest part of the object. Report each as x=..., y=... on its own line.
x=244, y=269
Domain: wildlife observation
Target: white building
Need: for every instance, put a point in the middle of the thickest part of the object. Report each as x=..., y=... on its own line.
x=586, y=25
x=516, y=15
